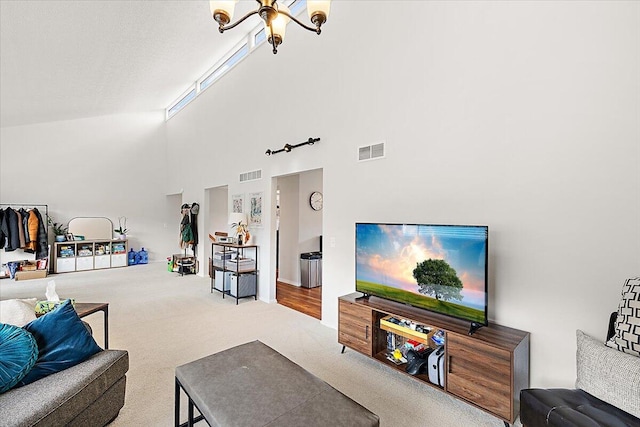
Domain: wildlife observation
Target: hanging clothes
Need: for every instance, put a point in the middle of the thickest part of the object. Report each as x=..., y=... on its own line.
x=186, y=232
x=33, y=225
x=3, y=236
x=24, y=229
x=42, y=244
x=195, y=208
x=24, y=214
x=10, y=228
x=23, y=242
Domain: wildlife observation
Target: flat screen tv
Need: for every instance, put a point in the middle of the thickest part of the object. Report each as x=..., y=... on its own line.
x=441, y=268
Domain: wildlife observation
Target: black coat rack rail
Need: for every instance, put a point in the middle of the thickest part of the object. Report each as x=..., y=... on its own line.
x=25, y=205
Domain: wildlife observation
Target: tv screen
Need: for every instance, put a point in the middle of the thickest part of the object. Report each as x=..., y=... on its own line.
x=442, y=268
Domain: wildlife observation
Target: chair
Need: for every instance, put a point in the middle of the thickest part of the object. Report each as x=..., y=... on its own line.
x=608, y=382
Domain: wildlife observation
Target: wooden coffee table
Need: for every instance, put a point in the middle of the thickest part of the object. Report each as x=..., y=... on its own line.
x=86, y=308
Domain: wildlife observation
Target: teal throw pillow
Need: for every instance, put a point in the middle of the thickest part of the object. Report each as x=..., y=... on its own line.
x=63, y=342
x=18, y=354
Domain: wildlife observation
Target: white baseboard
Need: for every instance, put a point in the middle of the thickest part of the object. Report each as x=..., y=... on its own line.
x=289, y=282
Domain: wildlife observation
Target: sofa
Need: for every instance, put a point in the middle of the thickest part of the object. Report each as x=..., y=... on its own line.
x=52, y=371
x=607, y=392
x=88, y=394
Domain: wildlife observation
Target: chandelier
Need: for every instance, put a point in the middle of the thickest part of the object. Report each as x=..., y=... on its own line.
x=275, y=15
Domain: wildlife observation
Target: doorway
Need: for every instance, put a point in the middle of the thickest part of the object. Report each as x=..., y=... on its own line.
x=215, y=217
x=307, y=301
x=298, y=231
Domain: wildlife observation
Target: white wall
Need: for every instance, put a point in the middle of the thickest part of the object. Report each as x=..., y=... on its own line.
x=214, y=218
x=109, y=166
x=310, y=220
x=289, y=187
x=219, y=212
x=172, y=213
x=519, y=115
x=300, y=226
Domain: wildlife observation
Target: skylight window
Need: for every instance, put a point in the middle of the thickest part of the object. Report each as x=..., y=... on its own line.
x=226, y=66
x=181, y=103
x=297, y=6
x=259, y=38
x=254, y=38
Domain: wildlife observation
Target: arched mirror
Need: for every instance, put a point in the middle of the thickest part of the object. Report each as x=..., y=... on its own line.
x=92, y=228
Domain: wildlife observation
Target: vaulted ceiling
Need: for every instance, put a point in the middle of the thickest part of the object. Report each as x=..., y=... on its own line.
x=63, y=60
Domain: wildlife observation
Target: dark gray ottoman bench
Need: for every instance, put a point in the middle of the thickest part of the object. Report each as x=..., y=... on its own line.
x=254, y=385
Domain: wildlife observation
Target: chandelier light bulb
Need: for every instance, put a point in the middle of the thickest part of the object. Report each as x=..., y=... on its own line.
x=318, y=11
x=222, y=11
x=275, y=34
x=276, y=15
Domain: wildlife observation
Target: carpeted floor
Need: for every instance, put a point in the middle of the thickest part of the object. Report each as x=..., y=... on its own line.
x=165, y=320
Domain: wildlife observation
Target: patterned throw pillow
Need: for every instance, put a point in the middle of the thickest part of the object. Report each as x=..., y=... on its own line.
x=18, y=354
x=43, y=307
x=627, y=336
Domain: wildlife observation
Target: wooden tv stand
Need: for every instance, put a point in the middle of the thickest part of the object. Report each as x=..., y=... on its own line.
x=487, y=369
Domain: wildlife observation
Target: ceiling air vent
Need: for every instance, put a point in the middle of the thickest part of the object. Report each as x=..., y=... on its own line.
x=371, y=152
x=251, y=176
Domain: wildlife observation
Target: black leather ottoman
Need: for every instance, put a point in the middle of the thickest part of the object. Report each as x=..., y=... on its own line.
x=253, y=385
x=562, y=407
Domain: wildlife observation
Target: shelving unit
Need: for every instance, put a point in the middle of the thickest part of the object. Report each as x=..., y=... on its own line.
x=487, y=369
x=102, y=254
x=84, y=260
x=82, y=255
x=65, y=257
x=184, y=264
x=233, y=272
x=119, y=250
x=421, y=337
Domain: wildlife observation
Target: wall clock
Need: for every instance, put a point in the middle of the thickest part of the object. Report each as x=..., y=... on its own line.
x=315, y=200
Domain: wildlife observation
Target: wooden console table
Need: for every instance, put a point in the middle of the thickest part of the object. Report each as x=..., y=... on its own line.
x=487, y=369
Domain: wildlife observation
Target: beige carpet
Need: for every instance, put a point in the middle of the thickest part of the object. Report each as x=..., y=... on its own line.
x=165, y=320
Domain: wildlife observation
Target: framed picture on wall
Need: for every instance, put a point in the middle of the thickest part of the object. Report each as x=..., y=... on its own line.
x=255, y=209
x=237, y=203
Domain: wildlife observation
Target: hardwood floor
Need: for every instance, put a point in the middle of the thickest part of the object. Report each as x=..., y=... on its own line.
x=304, y=300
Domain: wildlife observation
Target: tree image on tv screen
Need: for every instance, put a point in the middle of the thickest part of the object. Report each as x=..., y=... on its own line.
x=436, y=277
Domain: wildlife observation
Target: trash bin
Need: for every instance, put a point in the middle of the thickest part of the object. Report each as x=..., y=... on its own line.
x=311, y=269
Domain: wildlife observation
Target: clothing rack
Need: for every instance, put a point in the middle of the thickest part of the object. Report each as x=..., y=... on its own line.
x=24, y=205
x=189, y=218
x=34, y=205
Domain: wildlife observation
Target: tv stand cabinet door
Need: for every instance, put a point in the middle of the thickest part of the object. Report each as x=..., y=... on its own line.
x=480, y=374
x=355, y=326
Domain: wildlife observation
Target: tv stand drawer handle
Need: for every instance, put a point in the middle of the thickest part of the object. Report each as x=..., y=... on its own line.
x=366, y=332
